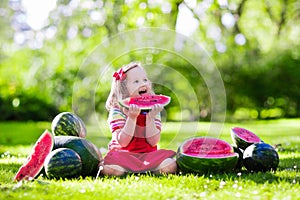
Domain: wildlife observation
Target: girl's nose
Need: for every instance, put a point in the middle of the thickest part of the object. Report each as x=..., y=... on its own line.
x=143, y=84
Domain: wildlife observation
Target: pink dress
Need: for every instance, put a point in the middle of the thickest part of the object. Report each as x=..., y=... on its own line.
x=138, y=155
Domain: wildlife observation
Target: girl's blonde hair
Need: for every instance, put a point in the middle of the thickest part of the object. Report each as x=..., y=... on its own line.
x=118, y=88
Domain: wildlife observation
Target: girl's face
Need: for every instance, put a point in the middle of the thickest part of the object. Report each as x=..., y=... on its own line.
x=137, y=82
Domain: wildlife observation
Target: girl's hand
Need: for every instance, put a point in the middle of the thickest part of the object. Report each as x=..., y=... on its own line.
x=132, y=112
x=157, y=108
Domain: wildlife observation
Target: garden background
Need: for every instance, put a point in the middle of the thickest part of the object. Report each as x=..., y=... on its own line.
x=254, y=44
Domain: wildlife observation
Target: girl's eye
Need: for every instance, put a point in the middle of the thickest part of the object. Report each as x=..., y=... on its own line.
x=145, y=80
x=136, y=81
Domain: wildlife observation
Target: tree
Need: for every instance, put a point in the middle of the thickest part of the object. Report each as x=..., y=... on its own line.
x=240, y=36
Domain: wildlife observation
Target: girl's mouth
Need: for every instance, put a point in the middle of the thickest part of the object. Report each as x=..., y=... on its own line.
x=143, y=91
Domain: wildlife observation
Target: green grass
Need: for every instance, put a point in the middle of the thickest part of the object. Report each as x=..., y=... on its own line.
x=17, y=140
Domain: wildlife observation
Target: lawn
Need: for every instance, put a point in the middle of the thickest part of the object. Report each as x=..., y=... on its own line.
x=17, y=140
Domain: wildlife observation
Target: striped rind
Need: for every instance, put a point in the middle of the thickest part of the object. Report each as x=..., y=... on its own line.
x=193, y=164
x=90, y=155
x=63, y=163
x=67, y=123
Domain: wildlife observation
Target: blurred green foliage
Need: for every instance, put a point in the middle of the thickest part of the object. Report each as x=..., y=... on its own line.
x=254, y=44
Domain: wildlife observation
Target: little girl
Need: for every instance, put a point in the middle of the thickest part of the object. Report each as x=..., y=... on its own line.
x=135, y=134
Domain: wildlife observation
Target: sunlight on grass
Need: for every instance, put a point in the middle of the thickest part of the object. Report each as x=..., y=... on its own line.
x=15, y=151
x=282, y=184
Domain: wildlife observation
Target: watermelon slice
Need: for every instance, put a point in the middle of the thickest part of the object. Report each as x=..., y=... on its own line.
x=35, y=161
x=146, y=102
x=242, y=138
x=206, y=154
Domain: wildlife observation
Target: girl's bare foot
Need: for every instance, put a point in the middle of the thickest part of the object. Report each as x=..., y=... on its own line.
x=168, y=166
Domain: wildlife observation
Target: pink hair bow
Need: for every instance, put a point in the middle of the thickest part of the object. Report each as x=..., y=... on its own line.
x=119, y=75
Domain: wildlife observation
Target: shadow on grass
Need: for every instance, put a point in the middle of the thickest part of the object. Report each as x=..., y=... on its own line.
x=282, y=175
x=289, y=164
x=286, y=172
x=257, y=177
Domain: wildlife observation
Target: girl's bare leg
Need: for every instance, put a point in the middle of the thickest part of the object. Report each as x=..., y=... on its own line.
x=113, y=170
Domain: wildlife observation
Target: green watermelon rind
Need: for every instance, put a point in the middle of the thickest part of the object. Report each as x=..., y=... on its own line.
x=260, y=157
x=193, y=164
x=239, y=141
x=35, y=161
x=63, y=163
x=67, y=123
x=239, y=151
x=124, y=102
x=205, y=163
x=88, y=152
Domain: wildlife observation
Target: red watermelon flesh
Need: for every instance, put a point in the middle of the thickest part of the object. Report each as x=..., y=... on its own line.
x=205, y=154
x=246, y=135
x=207, y=146
x=35, y=161
x=145, y=102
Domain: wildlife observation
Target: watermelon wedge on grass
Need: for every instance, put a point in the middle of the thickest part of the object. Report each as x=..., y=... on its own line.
x=145, y=102
x=35, y=161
